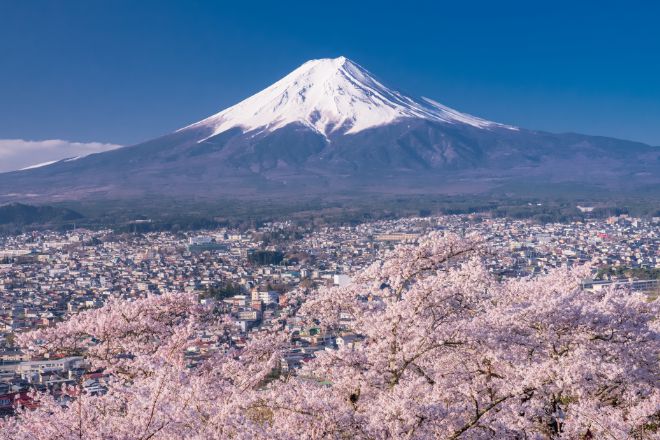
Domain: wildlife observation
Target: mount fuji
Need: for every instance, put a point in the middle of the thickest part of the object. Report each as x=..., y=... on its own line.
x=331, y=127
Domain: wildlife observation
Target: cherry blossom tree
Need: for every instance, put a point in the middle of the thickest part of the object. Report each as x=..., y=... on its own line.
x=435, y=347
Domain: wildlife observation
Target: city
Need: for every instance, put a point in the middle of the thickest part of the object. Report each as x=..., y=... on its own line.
x=48, y=277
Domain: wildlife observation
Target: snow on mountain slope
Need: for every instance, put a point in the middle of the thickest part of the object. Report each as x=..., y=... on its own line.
x=329, y=95
x=39, y=165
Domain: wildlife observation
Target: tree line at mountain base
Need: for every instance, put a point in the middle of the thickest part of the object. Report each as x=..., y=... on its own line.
x=150, y=215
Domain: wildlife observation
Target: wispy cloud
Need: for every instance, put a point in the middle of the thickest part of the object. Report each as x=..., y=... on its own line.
x=16, y=154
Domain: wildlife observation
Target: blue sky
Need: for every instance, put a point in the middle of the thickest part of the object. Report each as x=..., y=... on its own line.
x=121, y=72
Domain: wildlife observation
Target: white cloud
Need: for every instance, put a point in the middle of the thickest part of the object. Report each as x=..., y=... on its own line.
x=16, y=154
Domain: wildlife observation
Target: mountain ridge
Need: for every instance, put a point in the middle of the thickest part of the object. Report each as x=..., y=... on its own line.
x=330, y=126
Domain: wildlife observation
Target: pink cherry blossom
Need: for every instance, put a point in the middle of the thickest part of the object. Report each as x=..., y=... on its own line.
x=439, y=348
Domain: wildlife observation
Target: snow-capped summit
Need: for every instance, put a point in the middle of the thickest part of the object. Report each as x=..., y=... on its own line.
x=328, y=95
